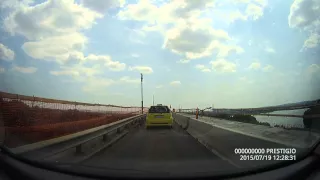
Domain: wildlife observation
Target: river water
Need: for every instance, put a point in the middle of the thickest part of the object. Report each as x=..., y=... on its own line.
x=285, y=121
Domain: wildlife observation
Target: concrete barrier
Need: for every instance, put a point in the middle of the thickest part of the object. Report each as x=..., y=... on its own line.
x=86, y=143
x=223, y=142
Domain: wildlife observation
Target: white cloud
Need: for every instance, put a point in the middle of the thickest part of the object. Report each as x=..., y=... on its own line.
x=305, y=15
x=314, y=68
x=183, y=61
x=224, y=50
x=65, y=72
x=223, y=66
x=52, y=28
x=142, y=69
x=255, y=65
x=115, y=65
x=195, y=39
x=78, y=71
x=127, y=79
x=159, y=86
x=268, y=68
x=26, y=70
x=164, y=13
x=313, y=73
x=50, y=18
x=202, y=68
x=174, y=83
x=185, y=31
x=106, y=60
x=270, y=50
x=254, y=11
x=56, y=48
x=102, y=6
x=6, y=53
x=312, y=41
x=2, y=70
x=236, y=15
x=96, y=85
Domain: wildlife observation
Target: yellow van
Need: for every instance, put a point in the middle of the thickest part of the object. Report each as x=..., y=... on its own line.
x=159, y=115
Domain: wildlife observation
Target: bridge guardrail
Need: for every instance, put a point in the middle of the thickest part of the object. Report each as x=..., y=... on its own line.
x=54, y=146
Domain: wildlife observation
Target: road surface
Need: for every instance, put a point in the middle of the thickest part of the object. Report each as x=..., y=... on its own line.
x=159, y=149
x=166, y=150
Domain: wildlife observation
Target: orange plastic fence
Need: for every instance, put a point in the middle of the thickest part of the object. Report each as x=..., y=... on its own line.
x=28, y=119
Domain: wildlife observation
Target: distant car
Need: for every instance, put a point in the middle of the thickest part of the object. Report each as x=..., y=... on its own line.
x=159, y=115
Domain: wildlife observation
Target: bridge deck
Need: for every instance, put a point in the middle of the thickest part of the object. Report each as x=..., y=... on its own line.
x=161, y=150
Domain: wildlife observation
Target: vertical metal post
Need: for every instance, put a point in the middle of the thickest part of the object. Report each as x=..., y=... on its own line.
x=141, y=94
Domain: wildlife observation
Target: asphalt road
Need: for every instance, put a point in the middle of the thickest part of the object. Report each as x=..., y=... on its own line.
x=174, y=150
x=159, y=150
x=224, y=143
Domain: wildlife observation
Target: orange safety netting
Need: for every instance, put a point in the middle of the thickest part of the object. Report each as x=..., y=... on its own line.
x=28, y=119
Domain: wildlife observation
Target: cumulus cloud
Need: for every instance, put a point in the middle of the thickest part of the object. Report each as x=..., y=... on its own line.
x=115, y=65
x=254, y=11
x=127, y=79
x=202, y=68
x=52, y=28
x=305, y=15
x=50, y=18
x=26, y=70
x=106, y=60
x=142, y=69
x=314, y=68
x=236, y=15
x=223, y=66
x=56, y=48
x=185, y=32
x=312, y=41
x=65, y=72
x=198, y=39
x=255, y=65
x=268, y=68
x=6, y=53
x=102, y=6
x=174, y=83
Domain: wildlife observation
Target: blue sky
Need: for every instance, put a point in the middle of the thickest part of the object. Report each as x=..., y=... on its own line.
x=230, y=54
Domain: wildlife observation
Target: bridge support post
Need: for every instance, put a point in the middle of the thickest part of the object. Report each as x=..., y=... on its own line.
x=119, y=130
x=197, y=113
x=105, y=137
x=79, y=149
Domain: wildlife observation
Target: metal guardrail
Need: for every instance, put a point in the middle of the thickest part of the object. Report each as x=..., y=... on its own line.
x=253, y=114
x=55, y=146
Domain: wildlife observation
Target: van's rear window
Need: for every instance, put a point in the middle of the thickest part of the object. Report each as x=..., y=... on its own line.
x=159, y=109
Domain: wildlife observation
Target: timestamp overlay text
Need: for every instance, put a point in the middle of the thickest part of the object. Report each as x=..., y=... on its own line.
x=261, y=154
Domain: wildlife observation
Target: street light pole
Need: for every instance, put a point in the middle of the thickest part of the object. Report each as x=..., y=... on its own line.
x=141, y=94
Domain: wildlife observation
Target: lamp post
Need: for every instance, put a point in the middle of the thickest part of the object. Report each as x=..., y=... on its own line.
x=141, y=94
